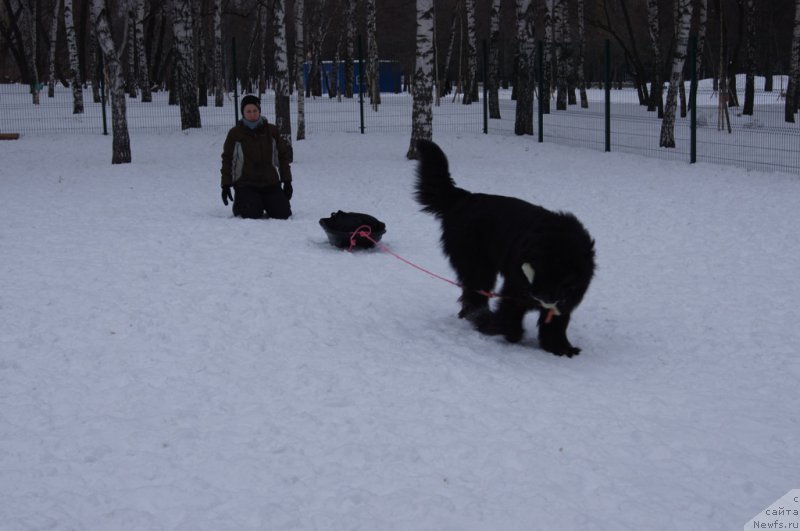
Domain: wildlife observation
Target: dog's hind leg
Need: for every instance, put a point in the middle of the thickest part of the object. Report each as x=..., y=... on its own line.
x=505, y=321
x=473, y=304
x=476, y=282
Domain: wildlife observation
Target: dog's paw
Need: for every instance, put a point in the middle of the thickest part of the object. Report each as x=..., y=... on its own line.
x=472, y=312
x=485, y=322
x=564, y=350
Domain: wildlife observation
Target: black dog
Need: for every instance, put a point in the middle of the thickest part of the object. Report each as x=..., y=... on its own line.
x=546, y=258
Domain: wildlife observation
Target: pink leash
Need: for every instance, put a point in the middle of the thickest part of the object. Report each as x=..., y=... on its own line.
x=365, y=231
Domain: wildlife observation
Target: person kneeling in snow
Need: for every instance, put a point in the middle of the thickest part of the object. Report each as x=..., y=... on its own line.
x=255, y=162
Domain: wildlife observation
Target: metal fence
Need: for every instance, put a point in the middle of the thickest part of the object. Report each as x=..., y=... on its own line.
x=322, y=114
x=761, y=141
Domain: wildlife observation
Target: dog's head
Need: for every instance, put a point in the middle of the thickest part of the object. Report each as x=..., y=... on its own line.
x=556, y=267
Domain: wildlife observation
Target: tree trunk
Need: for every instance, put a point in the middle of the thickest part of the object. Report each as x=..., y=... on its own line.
x=28, y=27
x=561, y=53
x=349, y=40
x=121, y=144
x=422, y=113
x=183, y=28
x=373, y=64
x=494, y=49
x=267, y=54
x=471, y=81
x=581, y=55
x=202, y=57
x=130, y=47
x=750, y=52
x=14, y=39
x=94, y=61
x=568, y=53
x=792, y=91
x=219, y=84
x=316, y=34
x=283, y=117
x=74, y=63
x=656, y=100
x=523, y=120
x=444, y=82
x=299, y=60
x=702, y=24
x=682, y=37
x=157, y=64
x=251, y=70
x=333, y=73
x=548, y=53
x=51, y=81
x=141, y=53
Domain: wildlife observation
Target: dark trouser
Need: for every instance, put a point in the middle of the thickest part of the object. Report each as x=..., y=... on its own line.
x=252, y=202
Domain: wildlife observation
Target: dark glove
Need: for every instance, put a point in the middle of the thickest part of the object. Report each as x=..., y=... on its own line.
x=288, y=190
x=226, y=194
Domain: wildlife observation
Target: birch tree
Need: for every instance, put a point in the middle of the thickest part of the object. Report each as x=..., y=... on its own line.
x=561, y=70
x=581, y=54
x=494, y=49
x=316, y=36
x=183, y=27
x=422, y=113
x=656, y=89
x=471, y=81
x=679, y=58
x=681, y=85
x=94, y=60
x=702, y=24
x=253, y=69
x=548, y=54
x=443, y=83
x=793, y=90
x=750, y=57
x=219, y=85
x=130, y=47
x=28, y=28
x=349, y=40
x=143, y=76
x=282, y=115
x=373, y=65
x=523, y=120
x=299, y=60
x=121, y=144
x=74, y=64
x=51, y=60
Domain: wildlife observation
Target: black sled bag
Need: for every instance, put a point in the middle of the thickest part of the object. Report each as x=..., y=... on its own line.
x=341, y=225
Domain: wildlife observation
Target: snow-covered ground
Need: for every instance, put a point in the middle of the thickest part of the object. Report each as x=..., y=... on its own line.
x=164, y=365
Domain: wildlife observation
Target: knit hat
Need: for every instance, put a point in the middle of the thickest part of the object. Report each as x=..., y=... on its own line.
x=250, y=99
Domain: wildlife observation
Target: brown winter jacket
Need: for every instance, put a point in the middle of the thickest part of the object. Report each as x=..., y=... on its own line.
x=258, y=149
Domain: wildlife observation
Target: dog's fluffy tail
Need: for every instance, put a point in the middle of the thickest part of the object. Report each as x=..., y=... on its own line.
x=436, y=190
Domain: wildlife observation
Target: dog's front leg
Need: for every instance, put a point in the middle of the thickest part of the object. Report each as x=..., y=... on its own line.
x=553, y=335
